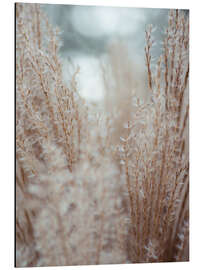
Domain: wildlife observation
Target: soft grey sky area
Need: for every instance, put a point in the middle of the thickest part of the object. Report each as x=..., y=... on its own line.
x=87, y=32
x=88, y=29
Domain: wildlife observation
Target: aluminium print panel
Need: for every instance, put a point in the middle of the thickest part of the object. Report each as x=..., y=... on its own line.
x=102, y=140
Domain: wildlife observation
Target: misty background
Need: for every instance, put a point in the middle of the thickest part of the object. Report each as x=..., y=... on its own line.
x=89, y=31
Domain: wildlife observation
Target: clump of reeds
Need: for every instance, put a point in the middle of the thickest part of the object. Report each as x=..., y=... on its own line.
x=82, y=195
x=66, y=181
x=154, y=153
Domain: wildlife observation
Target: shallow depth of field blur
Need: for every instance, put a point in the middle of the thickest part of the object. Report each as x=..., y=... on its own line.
x=102, y=162
x=88, y=33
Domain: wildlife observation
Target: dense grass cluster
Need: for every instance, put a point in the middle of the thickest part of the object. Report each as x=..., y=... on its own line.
x=100, y=186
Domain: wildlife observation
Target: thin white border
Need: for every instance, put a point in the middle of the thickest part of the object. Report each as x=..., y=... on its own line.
x=196, y=134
